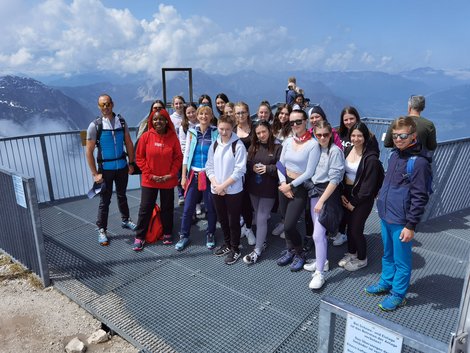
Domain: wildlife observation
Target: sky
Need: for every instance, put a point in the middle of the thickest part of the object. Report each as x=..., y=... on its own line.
x=71, y=37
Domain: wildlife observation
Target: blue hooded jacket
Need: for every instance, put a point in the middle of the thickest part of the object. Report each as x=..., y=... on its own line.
x=402, y=198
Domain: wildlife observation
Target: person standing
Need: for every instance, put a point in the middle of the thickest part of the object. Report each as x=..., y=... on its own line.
x=225, y=168
x=109, y=134
x=401, y=204
x=159, y=157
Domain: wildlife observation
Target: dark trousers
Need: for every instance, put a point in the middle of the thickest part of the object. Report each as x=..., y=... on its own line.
x=190, y=201
x=247, y=208
x=356, y=221
x=119, y=178
x=228, y=208
x=148, y=197
x=291, y=210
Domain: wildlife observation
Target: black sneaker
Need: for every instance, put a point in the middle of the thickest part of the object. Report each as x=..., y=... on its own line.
x=222, y=251
x=232, y=257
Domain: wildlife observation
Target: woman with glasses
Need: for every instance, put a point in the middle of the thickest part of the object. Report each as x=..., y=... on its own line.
x=261, y=182
x=159, y=157
x=363, y=174
x=193, y=177
x=299, y=158
x=325, y=201
x=243, y=130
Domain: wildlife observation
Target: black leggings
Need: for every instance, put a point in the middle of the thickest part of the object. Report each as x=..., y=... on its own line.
x=355, y=222
x=228, y=208
x=291, y=210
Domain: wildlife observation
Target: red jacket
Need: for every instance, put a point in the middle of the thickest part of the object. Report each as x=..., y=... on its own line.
x=159, y=155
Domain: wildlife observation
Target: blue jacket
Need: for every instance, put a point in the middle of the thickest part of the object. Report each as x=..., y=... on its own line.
x=402, y=198
x=191, y=142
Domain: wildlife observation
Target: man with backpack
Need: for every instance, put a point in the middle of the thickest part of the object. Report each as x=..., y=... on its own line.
x=401, y=204
x=109, y=133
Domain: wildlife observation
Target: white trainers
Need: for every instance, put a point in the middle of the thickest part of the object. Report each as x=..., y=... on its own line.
x=278, y=229
x=318, y=280
x=249, y=235
x=311, y=265
x=198, y=209
x=251, y=258
x=340, y=239
x=347, y=258
x=355, y=264
x=282, y=235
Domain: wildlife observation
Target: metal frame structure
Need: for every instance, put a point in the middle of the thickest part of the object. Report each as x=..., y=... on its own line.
x=190, y=78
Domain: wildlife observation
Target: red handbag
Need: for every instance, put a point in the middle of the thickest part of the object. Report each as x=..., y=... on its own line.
x=155, y=229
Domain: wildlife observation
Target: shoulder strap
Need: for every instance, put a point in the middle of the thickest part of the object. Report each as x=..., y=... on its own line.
x=234, y=146
x=122, y=121
x=99, y=128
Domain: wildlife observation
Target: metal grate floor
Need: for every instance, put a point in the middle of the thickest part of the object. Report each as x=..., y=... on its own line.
x=162, y=300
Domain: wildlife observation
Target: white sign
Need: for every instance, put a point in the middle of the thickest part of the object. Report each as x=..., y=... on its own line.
x=365, y=337
x=19, y=191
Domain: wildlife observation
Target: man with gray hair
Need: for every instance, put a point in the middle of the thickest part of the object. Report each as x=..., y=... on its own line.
x=425, y=128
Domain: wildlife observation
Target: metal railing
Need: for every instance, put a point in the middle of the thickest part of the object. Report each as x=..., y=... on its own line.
x=55, y=160
x=20, y=223
x=330, y=308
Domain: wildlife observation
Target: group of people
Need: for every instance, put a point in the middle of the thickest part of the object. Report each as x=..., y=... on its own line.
x=239, y=171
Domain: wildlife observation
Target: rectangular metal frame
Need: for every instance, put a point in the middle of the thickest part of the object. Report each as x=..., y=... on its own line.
x=190, y=78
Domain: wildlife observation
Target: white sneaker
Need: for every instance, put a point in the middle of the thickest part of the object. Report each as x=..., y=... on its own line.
x=198, y=209
x=347, y=258
x=311, y=265
x=355, y=264
x=249, y=235
x=340, y=239
x=278, y=229
x=282, y=235
x=318, y=280
x=251, y=258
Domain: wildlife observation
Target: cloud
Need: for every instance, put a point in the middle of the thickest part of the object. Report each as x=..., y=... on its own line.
x=80, y=36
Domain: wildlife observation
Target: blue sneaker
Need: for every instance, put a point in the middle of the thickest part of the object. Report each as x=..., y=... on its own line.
x=210, y=241
x=391, y=302
x=297, y=263
x=128, y=224
x=286, y=258
x=377, y=289
x=182, y=243
x=102, y=237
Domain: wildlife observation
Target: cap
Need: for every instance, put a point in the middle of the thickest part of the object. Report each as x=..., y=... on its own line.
x=96, y=189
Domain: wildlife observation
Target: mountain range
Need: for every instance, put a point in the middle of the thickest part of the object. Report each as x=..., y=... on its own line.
x=56, y=103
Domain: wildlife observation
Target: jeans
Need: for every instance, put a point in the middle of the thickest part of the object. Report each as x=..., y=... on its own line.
x=192, y=198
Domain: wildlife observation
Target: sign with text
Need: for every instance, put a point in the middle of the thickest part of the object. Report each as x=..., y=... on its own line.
x=19, y=191
x=365, y=337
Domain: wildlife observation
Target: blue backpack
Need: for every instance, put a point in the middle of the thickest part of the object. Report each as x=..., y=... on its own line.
x=410, y=166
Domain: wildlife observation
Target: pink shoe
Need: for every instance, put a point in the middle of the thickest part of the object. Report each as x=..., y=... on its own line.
x=167, y=240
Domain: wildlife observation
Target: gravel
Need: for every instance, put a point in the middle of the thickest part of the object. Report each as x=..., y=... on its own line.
x=43, y=320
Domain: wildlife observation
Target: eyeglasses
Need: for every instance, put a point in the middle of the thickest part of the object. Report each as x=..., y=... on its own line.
x=105, y=104
x=240, y=113
x=158, y=108
x=401, y=136
x=323, y=135
x=296, y=122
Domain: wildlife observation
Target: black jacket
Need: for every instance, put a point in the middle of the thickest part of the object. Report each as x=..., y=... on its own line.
x=369, y=175
x=269, y=181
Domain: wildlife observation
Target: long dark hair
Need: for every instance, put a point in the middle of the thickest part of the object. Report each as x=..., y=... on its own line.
x=343, y=130
x=364, y=130
x=205, y=96
x=277, y=125
x=154, y=102
x=224, y=97
x=256, y=143
x=185, y=121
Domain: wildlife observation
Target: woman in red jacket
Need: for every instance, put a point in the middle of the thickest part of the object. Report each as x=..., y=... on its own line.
x=159, y=157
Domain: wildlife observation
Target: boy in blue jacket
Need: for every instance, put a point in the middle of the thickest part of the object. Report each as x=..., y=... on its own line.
x=401, y=203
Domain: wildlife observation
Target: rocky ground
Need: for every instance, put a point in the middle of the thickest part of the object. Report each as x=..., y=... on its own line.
x=34, y=319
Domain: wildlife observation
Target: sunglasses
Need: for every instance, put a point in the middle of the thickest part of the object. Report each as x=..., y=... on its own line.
x=323, y=135
x=105, y=105
x=296, y=122
x=157, y=108
x=401, y=136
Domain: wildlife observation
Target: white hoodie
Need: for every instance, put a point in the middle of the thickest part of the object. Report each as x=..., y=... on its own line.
x=222, y=164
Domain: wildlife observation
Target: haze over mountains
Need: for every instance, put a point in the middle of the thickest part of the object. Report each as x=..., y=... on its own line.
x=29, y=106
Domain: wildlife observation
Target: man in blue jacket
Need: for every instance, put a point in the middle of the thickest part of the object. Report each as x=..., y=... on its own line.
x=401, y=203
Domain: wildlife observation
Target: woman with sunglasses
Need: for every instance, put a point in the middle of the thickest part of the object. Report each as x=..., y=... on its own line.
x=364, y=173
x=261, y=182
x=325, y=200
x=243, y=130
x=299, y=158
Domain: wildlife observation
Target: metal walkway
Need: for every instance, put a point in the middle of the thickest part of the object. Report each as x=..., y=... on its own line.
x=161, y=300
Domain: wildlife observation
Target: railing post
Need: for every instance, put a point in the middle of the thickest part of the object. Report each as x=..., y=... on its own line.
x=47, y=169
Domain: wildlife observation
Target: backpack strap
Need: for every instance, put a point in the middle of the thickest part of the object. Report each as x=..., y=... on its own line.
x=99, y=129
x=234, y=146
